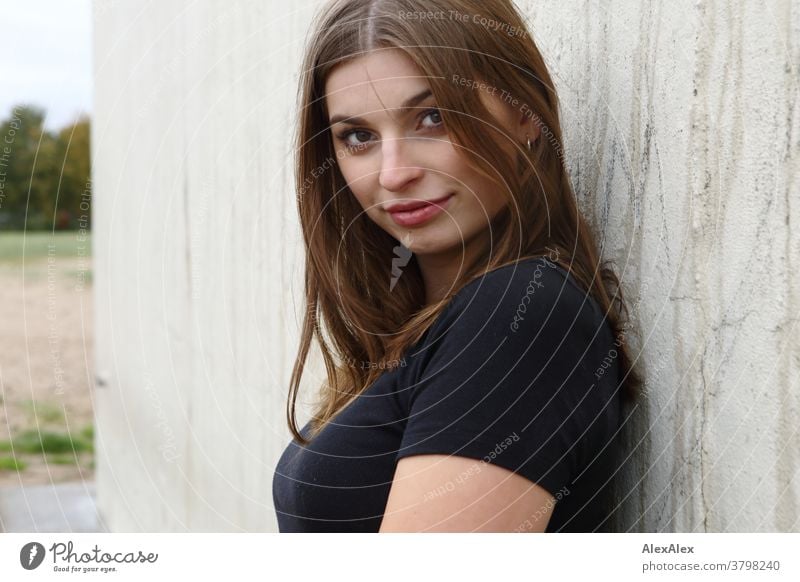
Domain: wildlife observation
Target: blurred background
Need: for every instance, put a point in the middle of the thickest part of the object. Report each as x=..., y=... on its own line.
x=46, y=310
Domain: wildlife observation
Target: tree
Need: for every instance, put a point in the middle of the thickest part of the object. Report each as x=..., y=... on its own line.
x=44, y=176
x=76, y=171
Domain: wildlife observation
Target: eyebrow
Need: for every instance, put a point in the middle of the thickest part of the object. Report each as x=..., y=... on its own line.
x=407, y=104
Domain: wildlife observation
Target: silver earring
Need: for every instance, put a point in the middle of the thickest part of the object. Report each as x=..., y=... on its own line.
x=529, y=142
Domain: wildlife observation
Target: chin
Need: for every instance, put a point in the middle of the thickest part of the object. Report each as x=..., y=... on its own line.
x=433, y=243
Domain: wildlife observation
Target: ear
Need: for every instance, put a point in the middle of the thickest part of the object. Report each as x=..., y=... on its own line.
x=529, y=124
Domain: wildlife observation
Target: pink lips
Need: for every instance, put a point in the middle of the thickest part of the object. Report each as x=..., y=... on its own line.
x=418, y=212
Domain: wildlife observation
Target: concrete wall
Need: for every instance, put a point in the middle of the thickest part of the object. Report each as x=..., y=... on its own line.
x=683, y=133
x=684, y=129
x=197, y=278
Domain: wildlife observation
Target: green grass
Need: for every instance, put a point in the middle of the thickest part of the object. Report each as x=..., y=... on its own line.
x=33, y=442
x=36, y=245
x=64, y=459
x=11, y=464
x=87, y=433
x=58, y=447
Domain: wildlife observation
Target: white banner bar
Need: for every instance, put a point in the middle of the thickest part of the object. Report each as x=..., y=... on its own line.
x=399, y=557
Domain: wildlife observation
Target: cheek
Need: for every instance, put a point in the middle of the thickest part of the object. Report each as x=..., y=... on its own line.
x=490, y=198
x=482, y=194
x=359, y=179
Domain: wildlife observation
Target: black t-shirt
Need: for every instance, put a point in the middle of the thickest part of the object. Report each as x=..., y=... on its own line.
x=519, y=370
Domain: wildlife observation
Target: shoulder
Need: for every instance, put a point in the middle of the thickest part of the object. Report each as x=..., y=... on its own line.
x=530, y=315
x=518, y=354
x=525, y=295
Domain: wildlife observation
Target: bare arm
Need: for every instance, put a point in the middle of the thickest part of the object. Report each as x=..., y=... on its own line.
x=442, y=493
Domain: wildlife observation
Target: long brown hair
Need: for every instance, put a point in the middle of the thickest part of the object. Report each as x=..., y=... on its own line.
x=361, y=323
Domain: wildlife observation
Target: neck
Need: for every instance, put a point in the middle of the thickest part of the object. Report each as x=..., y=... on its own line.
x=441, y=272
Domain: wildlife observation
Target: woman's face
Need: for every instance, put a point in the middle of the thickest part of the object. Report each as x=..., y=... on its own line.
x=392, y=149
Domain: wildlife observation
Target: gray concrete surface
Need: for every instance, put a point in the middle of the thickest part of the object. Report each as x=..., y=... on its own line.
x=63, y=507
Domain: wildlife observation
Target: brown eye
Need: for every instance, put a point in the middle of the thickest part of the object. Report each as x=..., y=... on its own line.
x=355, y=138
x=435, y=117
x=361, y=136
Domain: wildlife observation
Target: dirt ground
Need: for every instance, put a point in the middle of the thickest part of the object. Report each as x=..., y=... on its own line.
x=46, y=362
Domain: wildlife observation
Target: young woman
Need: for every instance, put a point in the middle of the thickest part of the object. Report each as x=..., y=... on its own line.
x=474, y=346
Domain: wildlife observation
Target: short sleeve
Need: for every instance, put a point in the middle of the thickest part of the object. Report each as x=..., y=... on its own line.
x=510, y=378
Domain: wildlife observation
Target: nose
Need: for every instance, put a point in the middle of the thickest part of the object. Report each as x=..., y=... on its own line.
x=398, y=169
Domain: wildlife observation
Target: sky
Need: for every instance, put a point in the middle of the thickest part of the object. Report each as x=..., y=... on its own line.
x=46, y=57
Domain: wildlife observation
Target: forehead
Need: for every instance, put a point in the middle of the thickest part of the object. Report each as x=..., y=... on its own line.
x=380, y=79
